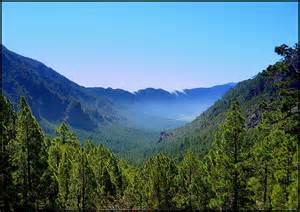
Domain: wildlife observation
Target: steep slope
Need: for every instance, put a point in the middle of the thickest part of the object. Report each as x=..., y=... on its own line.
x=51, y=96
x=129, y=123
x=264, y=88
x=53, y=99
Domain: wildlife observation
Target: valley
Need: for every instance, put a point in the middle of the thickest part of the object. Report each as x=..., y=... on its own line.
x=149, y=106
x=240, y=153
x=129, y=123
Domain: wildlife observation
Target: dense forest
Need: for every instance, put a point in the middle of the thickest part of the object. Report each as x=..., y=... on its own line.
x=245, y=167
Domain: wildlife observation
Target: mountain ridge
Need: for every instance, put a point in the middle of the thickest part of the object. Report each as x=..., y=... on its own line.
x=124, y=121
x=52, y=96
x=142, y=93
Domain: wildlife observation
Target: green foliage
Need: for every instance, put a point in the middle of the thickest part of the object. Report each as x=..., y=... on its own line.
x=83, y=181
x=8, y=131
x=278, y=83
x=230, y=160
x=158, y=182
x=193, y=185
x=27, y=156
x=248, y=165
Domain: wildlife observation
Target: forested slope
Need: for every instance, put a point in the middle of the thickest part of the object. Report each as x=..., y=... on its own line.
x=52, y=97
x=265, y=88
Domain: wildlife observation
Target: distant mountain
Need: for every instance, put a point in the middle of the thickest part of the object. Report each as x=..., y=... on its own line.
x=179, y=106
x=199, y=94
x=153, y=94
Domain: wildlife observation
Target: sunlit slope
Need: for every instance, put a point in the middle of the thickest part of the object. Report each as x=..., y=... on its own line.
x=261, y=89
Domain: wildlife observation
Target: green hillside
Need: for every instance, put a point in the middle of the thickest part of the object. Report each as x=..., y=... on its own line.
x=53, y=98
x=269, y=87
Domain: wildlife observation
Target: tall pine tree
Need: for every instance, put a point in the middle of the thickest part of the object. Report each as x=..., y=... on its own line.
x=27, y=153
x=7, y=134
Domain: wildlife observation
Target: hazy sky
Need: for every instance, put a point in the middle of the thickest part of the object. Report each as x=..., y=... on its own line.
x=138, y=45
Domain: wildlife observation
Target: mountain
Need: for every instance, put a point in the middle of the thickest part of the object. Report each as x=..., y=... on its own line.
x=154, y=95
x=125, y=121
x=272, y=86
x=170, y=109
x=252, y=165
x=180, y=105
x=52, y=96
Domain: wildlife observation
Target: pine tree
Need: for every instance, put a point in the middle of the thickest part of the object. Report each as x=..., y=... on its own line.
x=54, y=159
x=27, y=152
x=8, y=133
x=193, y=191
x=134, y=190
x=109, y=189
x=263, y=154
x=158, y=180
x=65, y=136
x=106, y=174
x=274, y=153
x=230, y=171
x=82, y=182
x=116, y=175
x=63, y=179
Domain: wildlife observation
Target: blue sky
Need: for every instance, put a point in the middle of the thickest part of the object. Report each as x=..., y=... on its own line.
x=160, y=45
